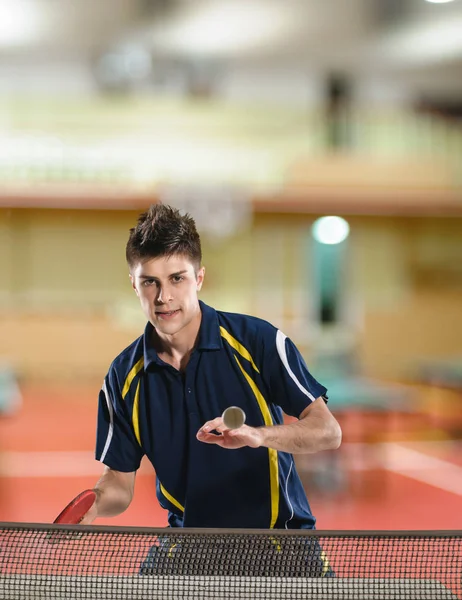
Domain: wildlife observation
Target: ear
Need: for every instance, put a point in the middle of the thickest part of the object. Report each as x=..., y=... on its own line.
x=200, y=278
x=133, y=283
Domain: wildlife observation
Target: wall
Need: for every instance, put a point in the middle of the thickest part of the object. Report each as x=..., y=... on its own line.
x=66, y=306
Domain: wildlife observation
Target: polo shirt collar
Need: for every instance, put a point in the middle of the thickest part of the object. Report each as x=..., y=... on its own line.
x=209, y=332
x=209, y=335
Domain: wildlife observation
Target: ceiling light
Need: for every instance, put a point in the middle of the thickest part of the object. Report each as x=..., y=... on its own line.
x=439, y=1
x=330, y=230
x=439, y=40
x=19, y=23
x=223, y=28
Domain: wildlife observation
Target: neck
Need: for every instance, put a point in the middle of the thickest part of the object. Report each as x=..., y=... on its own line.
x=176, y=349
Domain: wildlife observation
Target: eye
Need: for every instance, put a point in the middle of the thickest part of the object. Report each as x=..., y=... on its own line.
x=148, y=282
x=177, y=278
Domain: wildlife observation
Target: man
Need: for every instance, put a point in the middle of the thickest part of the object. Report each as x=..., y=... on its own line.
x=164, y=394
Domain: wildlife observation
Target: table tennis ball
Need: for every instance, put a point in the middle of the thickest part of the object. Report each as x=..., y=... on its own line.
x=233, y=417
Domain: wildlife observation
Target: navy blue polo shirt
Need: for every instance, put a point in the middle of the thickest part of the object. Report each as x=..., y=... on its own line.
x=148, y=407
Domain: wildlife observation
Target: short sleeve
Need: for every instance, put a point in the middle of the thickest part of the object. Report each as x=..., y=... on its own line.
x=116, y=444
x=292, y=386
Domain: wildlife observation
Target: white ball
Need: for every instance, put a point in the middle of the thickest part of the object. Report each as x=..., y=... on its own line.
x=233, y=417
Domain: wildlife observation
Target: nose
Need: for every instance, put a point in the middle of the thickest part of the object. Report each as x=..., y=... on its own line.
x=164, y=295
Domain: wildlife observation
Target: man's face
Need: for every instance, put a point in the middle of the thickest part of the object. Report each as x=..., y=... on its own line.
x=167, y=289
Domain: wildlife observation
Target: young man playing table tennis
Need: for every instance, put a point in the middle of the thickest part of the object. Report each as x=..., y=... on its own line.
x=164, y=394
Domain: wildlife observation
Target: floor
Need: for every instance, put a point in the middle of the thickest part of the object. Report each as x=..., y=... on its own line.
x=393, y=471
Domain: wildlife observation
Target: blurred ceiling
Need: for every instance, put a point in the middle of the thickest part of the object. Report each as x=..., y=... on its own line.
x=410, y=45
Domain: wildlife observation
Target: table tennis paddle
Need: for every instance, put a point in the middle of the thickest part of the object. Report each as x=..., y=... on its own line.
x=77, y=508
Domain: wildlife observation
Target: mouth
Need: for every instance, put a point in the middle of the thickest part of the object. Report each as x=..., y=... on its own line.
x=167, y=314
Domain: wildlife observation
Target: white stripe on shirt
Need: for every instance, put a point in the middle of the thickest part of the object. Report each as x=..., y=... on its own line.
x=287, y=493
x=111, y=423
x=281, y=348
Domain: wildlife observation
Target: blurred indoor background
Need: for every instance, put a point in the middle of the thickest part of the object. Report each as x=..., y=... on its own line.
x=319, y=147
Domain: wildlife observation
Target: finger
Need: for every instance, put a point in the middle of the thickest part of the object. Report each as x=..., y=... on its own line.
x=210, y=438
x=222, y=428
x=211, y=425
x=250, y=436
x=87, y=519
x=201, y=434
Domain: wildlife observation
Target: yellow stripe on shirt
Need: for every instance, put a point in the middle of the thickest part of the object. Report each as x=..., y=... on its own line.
x=238, y=346
x=131, y=376
x=170, y=498
x=272, y=453
x=135, y=417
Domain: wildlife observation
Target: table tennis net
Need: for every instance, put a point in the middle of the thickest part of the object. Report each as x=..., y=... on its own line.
x=57, y=562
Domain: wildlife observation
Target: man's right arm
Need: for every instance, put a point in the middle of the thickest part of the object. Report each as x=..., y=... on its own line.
x=114, y=493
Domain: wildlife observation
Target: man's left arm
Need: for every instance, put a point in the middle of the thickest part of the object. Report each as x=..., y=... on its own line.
x=316, y=430
x=292, y=387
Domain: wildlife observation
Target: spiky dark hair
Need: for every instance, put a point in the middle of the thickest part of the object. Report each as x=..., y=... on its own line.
x=163, y=231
